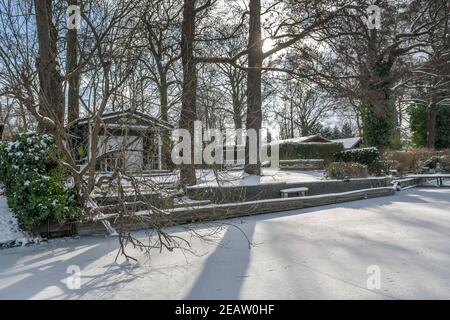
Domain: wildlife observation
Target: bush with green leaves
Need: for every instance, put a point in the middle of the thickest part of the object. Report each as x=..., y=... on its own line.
x=369, y=157
x=293, y=150
x=33, y=180
x=346, y=170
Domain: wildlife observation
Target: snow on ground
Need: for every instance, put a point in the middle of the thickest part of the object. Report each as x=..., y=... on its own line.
x=269, y=175
x=316, y=253
x=208, y=177
x=10, y=233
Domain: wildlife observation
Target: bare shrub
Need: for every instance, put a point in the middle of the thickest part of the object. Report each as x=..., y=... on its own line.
x=343, y=170
x=409, y=160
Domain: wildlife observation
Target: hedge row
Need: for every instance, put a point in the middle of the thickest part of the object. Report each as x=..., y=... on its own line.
x=366, y=156
x=292, y=150
x=33, y=181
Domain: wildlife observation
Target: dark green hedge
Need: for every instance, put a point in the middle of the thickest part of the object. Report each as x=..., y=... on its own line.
x=369, y=157
x=292, y=150
x=366, y=156
x=33, y=181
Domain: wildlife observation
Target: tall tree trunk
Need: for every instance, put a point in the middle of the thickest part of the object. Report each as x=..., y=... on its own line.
x=51, y=102
x=237, y=107
x=358, y=124
x=254, y=101
x=237, y=122
x=188, y=101
x=291, y=119
x=73, y=110
x=164, y=114
x=235, y=83
x=379, y=114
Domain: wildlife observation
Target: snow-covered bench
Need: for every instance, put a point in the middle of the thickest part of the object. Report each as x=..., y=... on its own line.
x=301, y=191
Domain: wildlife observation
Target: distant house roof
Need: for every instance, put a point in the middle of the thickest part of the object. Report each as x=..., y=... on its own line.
x=142, y=118
x=313, y=138
x=349, y=143
x=307, y=139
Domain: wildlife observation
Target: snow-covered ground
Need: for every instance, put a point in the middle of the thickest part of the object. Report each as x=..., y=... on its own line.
x=208, y=177
x=233, y=177
x=269, y=175
x=317, y=253
x=10, y=233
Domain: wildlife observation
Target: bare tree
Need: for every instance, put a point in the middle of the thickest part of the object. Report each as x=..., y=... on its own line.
x=366, y=63
x=304, y=107
x=428, y=80
x=73, y=72
x=288, y=30
x=188, y=103
x=189, y=97
x=161, y=20
x=51, y=99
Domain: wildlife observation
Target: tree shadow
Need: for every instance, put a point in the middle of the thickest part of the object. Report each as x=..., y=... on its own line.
x=224, y=271
x=49, y=272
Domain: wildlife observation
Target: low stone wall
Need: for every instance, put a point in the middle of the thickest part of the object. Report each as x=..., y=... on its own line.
x=232, y=210
x=302, y=164
x=152, y=198
x=243, y=203
x=53, y=229
x=272, y=190
x=409, y=182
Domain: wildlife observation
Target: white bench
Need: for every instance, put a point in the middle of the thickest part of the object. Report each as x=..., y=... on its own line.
x=393, y=172
x=300, y=192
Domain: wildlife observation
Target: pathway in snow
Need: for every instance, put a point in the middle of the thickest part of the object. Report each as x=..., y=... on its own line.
x=327, y=252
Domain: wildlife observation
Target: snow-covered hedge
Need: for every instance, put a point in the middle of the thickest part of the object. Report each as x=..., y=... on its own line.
x=34, y=181
x=369, y=157
x=295, y=150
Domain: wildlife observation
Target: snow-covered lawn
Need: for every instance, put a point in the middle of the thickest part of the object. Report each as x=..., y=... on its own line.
x=207, y=177
x=322, y=252
x=10, y=234
x=269, y=175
